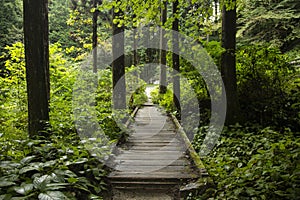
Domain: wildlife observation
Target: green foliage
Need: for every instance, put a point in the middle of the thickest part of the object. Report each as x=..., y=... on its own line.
x=81, y=35
x=10, y=23
x=137, y=11
x=253, y=163
x=59, y=31
x=59, y=165
x=215, y=50
x=50, y=168
x=275, y=22
x=13, y=107
x=196, y=19
x=248, y=162
x=267, y=86
x=138, y=98
x=56, y=167
x=164, y=100
x=135, y=88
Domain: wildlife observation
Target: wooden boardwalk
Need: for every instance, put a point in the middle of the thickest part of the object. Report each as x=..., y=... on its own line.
x=155, y=162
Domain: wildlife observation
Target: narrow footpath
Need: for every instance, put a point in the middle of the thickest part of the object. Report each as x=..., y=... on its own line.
x=153, y=163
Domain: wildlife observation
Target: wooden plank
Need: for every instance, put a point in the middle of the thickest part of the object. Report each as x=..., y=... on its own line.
x=153, y=139
x=162, y=131
x=152, y=134
x=160, y=148
x=154, y=151
x=139, y=182
x=130, y=162
x=155, y=143
x=150, y=125
x=154, y=168
x=149, y=156
x=158, y=152
x=153, y=175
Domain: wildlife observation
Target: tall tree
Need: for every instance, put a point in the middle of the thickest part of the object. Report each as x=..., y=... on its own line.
x=228, y=62
x=135, y=54
x=163, y=53
x=94, y=37
x=118, y=64
x=175, y=59
x=37, y=63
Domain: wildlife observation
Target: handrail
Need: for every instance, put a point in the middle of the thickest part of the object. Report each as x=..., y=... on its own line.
x=123, y=136
x=204, y=181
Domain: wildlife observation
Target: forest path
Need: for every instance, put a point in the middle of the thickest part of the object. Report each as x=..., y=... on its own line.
x=154, y=162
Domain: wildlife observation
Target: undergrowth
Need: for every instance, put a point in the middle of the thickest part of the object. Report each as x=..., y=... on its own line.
x=253, y=163
x=57, y=164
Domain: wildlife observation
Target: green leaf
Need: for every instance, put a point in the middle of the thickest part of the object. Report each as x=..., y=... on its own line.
x=72, y=180
x=8, y=164
x=115, y=21
x=24, y=189
x=49, y=163
x=57, y=186
x=41, y=182
x=27, y=159
x=52, y=195
x=29, y=168
x=5, y=183
x=78, y=161
x=94, y=197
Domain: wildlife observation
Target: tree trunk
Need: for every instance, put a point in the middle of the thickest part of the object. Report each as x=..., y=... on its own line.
x=175, y=59
x=135, y=55
x=163, y=53
x=95, y=38
x=216, y=10
x=37, y=64
x=147, y=54
x=118, y=66
x=228, y=64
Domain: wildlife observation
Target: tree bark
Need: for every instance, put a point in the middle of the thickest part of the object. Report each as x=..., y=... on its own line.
x=175, y=59
x=216, y=3
x=228, y=64
x=135, y=55
x=163, y=53
x=37, y=64
x=118, y=65
x=94, y=37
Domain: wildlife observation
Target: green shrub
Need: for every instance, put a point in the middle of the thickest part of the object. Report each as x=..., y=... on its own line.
x=266, y=83
x=13, y=109
x=253, y=163
x=58, y=166
x=164, y=100
x=51, y=168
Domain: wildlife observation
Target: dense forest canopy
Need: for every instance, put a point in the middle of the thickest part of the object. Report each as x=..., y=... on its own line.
x=255, y=45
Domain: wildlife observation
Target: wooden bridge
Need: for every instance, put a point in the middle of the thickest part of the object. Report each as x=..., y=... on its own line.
x=157, y=161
